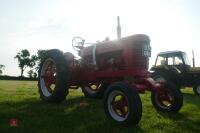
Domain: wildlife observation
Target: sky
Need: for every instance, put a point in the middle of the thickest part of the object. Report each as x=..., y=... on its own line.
x=47, y=24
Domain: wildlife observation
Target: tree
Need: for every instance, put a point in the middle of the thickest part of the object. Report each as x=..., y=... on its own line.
x=2, y=67
x=35, y=75
x=25, y=60
x=30, y=73
x=33, y=61
x=40, y=55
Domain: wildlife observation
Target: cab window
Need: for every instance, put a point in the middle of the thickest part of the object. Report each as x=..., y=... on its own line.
x=160, y=61
x=185, y=58
x=178, y=60
x=170, y=60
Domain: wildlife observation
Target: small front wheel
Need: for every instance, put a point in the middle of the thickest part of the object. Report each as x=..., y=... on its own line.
x=94, y=90
x=122, y=103
x=169, y=99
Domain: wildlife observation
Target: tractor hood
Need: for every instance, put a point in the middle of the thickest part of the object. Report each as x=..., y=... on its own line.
x=110, y=46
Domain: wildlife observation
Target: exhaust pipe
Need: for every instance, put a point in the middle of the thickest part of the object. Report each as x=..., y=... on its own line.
x=118, y=28
x=193, y=59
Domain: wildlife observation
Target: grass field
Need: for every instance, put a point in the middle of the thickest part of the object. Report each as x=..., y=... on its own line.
x=20, y=100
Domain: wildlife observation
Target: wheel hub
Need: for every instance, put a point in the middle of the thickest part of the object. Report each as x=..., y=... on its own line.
x=118, y=106
x=164, y=99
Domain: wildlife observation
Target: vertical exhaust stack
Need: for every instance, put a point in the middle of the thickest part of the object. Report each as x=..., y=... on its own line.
x=118, y=28
x=193, y=59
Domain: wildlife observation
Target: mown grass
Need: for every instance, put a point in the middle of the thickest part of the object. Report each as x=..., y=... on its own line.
x=20, y=100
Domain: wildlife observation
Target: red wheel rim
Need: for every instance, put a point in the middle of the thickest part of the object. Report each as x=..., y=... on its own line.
x=164, y=99
x=48, y=77
x=92, y=87
x=118, y=105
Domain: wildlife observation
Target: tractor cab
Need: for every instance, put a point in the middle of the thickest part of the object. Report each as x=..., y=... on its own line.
x=174, y=66
x=176, y=61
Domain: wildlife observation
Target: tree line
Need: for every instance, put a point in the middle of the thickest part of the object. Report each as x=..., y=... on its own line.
x=26, y=60
x=2, y=67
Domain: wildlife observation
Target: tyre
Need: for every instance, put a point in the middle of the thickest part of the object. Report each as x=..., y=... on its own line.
x=123, y=104
x=94, y=90
x=196, y=89
x=53, y=77
x=170, y=99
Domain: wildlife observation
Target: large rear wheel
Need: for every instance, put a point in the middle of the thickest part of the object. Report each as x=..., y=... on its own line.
x=122, y=103
x=53, y=77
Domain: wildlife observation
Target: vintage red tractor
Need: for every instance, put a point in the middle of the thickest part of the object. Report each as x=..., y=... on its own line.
x=116, y=70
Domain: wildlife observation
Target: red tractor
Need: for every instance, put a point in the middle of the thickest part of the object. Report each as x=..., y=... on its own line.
x=115, y=70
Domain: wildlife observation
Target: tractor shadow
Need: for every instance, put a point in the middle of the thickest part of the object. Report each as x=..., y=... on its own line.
x=186, y=118
x=183, y=121
x=78, y=114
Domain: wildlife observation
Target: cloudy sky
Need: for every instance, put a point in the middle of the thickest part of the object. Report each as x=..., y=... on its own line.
x=46, y=24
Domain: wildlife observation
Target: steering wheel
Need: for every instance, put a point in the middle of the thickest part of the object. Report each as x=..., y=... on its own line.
x=78, y=43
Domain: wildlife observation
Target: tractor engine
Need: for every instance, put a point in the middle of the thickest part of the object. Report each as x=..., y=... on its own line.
x=129, y=52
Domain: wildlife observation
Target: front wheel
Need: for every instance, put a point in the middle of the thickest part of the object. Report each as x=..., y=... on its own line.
x=169, y=99
x=122, y=103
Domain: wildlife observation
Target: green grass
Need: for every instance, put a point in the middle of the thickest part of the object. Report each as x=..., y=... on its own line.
x=20, y=100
